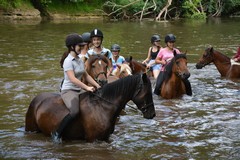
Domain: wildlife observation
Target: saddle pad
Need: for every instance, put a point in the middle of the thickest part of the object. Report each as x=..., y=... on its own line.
x=234, y=63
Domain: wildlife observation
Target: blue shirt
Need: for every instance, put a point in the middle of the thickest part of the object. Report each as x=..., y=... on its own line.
x=120, y=60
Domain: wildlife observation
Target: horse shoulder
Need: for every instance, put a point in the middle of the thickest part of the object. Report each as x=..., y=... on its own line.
x=95, y=119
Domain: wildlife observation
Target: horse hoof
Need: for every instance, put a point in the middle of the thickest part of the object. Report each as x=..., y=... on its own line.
x=56, y=138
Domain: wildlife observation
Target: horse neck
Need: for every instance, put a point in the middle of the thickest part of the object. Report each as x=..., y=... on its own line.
x=222, y=62
x=172, y=87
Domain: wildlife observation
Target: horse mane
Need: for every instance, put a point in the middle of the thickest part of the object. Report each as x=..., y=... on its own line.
x=124, y=85
x=211, y=50
x=168, y=68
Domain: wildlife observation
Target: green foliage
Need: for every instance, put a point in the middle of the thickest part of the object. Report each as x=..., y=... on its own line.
x=187, y=9
x=13, y=4
x=191, y=10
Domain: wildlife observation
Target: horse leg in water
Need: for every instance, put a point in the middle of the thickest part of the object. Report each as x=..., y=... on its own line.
x=188, y=87
x=159, y=82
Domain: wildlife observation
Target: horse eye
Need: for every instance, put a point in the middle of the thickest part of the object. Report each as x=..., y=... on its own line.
x=177, y=62
x=93, y=66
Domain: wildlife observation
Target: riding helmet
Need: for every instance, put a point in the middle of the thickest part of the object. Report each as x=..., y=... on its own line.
x=170, y=38
x=96, y=33
x=155, y=38
x=115, y=47
x=86, y=37
x=74, y=39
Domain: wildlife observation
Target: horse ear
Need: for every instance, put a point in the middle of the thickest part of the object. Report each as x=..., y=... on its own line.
x=130, y=59
x=144, y=77
x=106, y=54
x=211, y=49
x=185, y=52
x=174, y=52
x=109, y=62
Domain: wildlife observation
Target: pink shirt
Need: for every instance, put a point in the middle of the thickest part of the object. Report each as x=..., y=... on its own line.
x=167, y=55
x=237, y=55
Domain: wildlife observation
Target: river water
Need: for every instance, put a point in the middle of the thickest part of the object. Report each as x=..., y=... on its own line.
x=203, y=126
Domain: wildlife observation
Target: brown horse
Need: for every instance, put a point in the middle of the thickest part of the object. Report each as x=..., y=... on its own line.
x=175, y=77
x=98, y=111
x=137, y=67
x=96, y=66
x=221, y=61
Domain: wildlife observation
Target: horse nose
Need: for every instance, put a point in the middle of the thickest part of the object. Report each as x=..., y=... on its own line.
x=186, y=75
x=199, y=66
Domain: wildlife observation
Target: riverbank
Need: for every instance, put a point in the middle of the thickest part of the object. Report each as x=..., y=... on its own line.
x=34, y=15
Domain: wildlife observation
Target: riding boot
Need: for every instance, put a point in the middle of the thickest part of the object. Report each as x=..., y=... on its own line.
x=56, y=135
x=158, y=85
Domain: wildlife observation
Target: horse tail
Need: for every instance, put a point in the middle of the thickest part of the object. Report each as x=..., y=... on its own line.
x=188, y=87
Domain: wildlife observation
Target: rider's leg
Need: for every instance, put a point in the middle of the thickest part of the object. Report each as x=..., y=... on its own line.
x=71, y=100
x=159, y=82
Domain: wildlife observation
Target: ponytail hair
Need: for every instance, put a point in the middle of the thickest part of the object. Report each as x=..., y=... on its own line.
x=65, y=54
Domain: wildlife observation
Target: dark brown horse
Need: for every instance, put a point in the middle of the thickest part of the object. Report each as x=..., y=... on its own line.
x=221, y=61
x=96, y=66
x=176, y=76
x=138, y=67
x=98, y=111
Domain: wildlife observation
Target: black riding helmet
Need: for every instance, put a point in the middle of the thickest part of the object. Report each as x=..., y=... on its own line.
x=86, y=37
x=96, y=33
x=155, y=38
x=170, y=38
x=115, y=47
x=73, y=40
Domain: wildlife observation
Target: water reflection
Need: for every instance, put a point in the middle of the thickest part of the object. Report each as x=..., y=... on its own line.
x=204, y=126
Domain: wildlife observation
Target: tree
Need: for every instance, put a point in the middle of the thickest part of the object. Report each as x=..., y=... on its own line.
x=41, y=6
x=164, y=10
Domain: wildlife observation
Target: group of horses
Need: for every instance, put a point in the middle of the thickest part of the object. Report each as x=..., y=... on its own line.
x=99, y=110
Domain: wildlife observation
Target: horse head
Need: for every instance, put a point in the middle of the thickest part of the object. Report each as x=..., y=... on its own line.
x=178, y=65
x=136, y=67
x=206, y=58
x=143, y=97
x=124, y=70
x=96, y=66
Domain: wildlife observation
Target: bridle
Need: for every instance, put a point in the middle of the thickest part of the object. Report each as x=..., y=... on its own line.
x=96, y=77
x=139, y=88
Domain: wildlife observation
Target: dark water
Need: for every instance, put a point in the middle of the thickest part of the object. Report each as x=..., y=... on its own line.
x=204, y=126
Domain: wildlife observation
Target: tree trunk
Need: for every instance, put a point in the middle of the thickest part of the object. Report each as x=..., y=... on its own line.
x=45, y=15
x=158, y=18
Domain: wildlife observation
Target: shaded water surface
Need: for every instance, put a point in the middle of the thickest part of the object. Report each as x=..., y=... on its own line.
x=204, y=126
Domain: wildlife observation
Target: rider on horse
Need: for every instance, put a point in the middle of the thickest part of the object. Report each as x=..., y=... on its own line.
x=117, y=59
x=96, y=36
x=72, y=86
x=236, y=57
x=164, y=56
x=152, y=54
